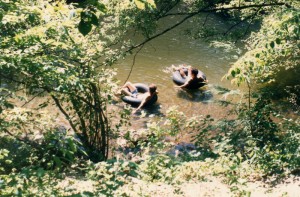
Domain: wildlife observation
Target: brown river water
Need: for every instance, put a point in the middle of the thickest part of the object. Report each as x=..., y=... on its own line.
x=153, y=65
x=153, y=62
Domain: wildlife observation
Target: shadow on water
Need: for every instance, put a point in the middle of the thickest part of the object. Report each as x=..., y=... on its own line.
x=141, y=117
x=148, y=110
x=151, y=110
x=154, y=109
x=199, y=95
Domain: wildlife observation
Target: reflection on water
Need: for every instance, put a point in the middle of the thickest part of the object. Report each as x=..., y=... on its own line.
x=200, y=95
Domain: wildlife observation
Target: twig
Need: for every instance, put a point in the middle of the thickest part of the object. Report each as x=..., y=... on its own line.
x=204, y=23
x=249, y=107
x=236, y=24
x=251, y=18
x=223, y=9
x=33, y=98
x=133, y=63
x=161, y=33
x=204, y=10
x=64, y=112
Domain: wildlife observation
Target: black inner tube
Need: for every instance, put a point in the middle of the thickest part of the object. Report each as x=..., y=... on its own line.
x=142, y=88
x=179, y=80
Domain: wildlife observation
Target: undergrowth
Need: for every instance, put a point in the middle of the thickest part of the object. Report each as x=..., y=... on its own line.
x=256, y=146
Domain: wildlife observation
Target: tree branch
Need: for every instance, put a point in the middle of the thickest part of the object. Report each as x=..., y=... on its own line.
x=64, y=112
x=203, y=10
x=30, y=143
x=161, y=33
x=204, y=23
x=236, y=24
x=133, y=63
x=33, y=98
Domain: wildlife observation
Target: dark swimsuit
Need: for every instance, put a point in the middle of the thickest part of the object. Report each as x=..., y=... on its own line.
x=134, y=93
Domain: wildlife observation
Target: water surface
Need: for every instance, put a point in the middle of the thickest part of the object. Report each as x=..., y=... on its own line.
x=152, y=65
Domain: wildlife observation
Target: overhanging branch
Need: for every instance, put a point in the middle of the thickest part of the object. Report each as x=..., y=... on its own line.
x=203, y=10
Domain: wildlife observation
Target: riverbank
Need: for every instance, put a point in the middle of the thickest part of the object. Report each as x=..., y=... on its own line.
x=210, y=186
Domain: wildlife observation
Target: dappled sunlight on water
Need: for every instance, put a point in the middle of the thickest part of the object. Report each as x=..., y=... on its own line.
x=204, y=101
x=153, y=65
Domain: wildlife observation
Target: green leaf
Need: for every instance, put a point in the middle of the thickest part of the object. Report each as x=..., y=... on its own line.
x=84, y=27
x=57, y=161
x=31, y=18
x=94, y=19
x=84, y=15
x=72, y=145
x=101, y=7
x=40, y=172
x=9, y=105
x=233, y=73
x=278, y=41
x=272, y=44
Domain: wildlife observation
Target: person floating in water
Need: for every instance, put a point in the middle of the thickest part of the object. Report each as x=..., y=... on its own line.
x=191, y=76
x=130, y=90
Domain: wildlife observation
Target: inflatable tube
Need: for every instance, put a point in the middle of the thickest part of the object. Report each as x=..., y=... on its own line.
x=179, y=80
x=142, y=88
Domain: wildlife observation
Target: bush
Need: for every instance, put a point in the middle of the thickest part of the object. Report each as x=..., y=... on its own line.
x=59, y=150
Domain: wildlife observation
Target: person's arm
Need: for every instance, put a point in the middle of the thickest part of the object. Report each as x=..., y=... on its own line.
x=142, y=104
x=189, y=71
x=185, y=84
x=202, y=80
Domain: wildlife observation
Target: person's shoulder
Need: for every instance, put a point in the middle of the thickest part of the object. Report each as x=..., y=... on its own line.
x=147, y=94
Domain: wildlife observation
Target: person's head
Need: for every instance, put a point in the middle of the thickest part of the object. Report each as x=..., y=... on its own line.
x=194, y=72
x=152, y=88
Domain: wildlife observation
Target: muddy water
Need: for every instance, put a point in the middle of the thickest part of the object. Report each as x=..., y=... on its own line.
x=152, y=65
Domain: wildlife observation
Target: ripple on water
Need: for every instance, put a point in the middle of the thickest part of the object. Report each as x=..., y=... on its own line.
x=152, y=65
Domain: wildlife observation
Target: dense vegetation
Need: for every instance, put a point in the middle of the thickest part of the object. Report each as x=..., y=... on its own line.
x=62, y=54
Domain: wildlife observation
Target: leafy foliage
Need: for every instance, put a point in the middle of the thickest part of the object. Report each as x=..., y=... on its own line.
x=43, y=52
x=111, y=175
x=61, y=52
x=33, y=170
x=273, y=52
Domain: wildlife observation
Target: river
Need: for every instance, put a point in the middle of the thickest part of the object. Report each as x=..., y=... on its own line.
x=153, y=62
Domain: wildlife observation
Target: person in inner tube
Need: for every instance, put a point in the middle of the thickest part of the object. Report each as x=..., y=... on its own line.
x=130, y=90
x=191, y=77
